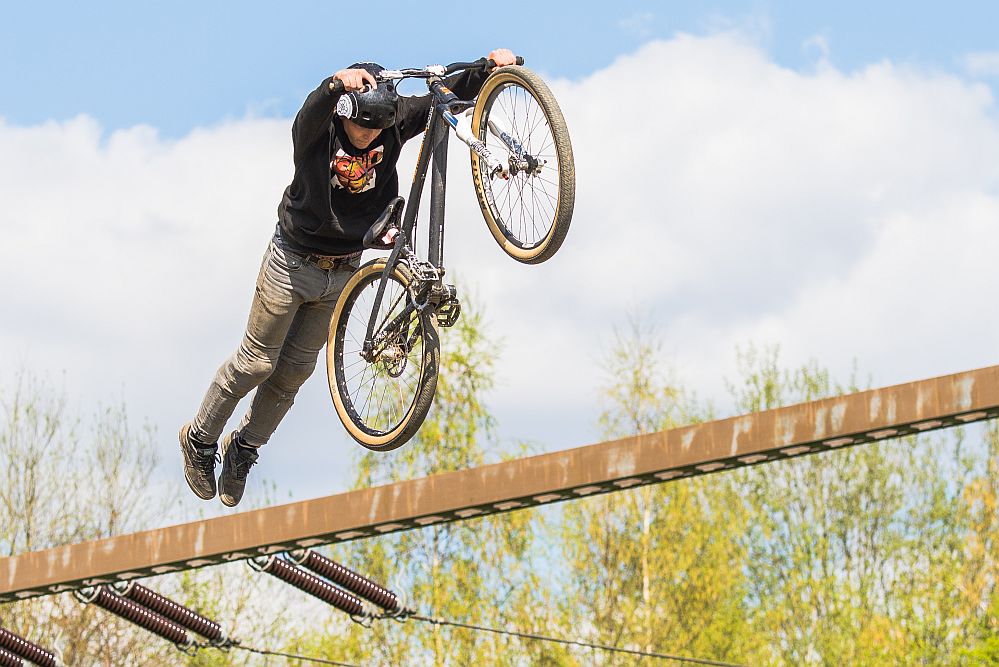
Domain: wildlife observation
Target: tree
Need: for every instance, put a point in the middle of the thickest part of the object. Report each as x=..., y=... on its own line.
x=858, y=556
x=476, y=571
x=980, y=576
x=657, y=568
x=66, y=480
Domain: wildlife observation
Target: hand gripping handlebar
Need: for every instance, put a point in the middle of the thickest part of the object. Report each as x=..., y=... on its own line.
x=336, y=85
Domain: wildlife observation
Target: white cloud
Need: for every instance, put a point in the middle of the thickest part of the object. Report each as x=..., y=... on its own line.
x=638, y=25
x=983, y=64
x=817, y=46
x=840, y=215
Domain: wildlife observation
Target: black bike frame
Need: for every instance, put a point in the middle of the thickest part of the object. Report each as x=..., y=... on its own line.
x=434, y=147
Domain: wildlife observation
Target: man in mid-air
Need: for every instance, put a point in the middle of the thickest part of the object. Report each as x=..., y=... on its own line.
x=345, y=151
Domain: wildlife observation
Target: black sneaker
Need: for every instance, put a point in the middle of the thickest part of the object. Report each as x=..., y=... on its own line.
x=199, y=464
x=236, y=462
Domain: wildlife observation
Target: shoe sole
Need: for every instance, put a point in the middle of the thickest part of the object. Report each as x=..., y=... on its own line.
x=187, y=479
x=226, y=444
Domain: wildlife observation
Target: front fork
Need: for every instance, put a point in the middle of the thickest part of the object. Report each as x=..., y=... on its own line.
x=520, y=159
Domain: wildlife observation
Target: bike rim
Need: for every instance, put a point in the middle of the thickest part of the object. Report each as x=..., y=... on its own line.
x=524, y=206
x=379, y=395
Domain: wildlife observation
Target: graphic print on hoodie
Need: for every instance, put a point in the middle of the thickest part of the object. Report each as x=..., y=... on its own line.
x=355, y=173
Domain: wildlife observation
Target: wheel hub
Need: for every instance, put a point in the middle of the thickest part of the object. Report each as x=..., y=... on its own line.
x=529, y=165
x=394, y=359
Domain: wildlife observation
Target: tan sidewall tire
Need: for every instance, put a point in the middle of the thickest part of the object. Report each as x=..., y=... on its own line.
x=567, y=173
x=428, y=379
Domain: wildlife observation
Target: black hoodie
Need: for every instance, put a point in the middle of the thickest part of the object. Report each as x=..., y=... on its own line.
x=338, y=190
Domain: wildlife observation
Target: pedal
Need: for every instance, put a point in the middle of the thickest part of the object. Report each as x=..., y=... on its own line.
x=447, y=308
x=448, y=312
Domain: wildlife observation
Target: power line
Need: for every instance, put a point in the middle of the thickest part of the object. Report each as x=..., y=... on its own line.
x=290, y=571
x=262, y=651
x=480, y=628
x=130, y=602
x=573, y=642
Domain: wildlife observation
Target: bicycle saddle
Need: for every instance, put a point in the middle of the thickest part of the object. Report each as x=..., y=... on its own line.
x=388, y=219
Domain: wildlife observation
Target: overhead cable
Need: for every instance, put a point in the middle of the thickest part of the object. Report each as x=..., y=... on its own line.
x=573, y=642
x=164, y=617
x=292, y=571
x=291, y=656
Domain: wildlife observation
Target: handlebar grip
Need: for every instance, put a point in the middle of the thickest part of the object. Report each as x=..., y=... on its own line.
x=491, y=64
x=337, y=87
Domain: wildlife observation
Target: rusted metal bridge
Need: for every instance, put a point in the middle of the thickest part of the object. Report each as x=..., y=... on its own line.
x=787, y=432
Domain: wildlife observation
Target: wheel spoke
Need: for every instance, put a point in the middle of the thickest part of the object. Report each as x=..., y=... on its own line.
x=523, y=206
x=378, y=393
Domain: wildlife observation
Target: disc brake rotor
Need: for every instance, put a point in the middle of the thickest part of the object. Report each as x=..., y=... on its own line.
x=394, y=359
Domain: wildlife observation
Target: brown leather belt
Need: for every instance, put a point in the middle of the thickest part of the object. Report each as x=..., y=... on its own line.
x=327, y=262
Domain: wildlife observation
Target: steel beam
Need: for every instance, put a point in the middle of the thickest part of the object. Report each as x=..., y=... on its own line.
x=710, y=447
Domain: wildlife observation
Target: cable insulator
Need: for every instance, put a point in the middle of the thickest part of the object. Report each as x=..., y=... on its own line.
x=348, y=579
x=106, y=598
x=8, y=659
x=25, y=649
x=311, y=584
x=177, y=613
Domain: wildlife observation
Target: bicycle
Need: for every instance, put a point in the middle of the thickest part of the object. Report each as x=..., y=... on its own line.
x=383, y=350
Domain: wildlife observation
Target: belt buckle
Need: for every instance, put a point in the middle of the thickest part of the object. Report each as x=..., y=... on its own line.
x=326, y=263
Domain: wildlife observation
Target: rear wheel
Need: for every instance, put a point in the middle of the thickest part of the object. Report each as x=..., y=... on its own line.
x=528, y=213
x=382, y=398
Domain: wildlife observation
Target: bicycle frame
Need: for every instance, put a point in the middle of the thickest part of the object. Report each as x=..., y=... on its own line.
x=394, y=307
x=440, y=122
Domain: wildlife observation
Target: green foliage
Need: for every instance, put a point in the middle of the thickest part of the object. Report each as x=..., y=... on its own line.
x=475, y=571
x=885, y=553
x=880, y=554
x=862, y=556
x=981, y=573
x=985, y=649
x=655, y=568
x=65, y=479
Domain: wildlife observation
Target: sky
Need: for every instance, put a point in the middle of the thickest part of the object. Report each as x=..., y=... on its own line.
x=824, y=180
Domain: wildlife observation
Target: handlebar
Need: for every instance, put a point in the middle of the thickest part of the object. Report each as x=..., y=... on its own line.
x=336, y=85
x=481, y=63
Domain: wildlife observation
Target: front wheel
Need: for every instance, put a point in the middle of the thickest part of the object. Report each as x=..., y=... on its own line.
x=517, y=118
x=382, y=396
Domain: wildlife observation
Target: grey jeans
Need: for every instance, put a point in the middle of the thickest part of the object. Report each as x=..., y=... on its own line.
x=288, y=325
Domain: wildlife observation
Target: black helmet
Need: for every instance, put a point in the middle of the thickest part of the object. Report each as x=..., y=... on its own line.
x=374, y=108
